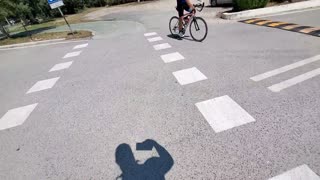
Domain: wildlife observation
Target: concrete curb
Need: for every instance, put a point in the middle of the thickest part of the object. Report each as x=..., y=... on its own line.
x=31, y=43
x=271, y=10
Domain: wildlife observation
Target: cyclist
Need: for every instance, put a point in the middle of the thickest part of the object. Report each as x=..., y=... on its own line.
x=181, y=6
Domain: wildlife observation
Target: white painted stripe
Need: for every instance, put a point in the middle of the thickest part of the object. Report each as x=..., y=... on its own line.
x=81, y=46
x=222, y=113
x=187, y=76
x=61, y=66
x=302, y=172
x=293, y=81
x=16, y=117
x=167, y=58
x=155, y=39
x=72, y=54
x=161, y=46
x=285, y=68
x=150, y=34
x=42, y=85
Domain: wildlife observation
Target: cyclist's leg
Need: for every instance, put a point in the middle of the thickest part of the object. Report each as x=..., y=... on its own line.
x=180, y=12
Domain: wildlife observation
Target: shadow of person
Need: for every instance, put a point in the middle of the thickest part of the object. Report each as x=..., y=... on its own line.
x=154, y=168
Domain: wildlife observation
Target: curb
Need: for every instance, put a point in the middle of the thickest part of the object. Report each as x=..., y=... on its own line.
x=31, y=43
x=271, y=10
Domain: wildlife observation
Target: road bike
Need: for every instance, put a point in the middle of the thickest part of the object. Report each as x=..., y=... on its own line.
x=198, y=28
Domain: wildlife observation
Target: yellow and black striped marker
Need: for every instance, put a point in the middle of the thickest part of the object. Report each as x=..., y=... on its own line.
x=285, y=26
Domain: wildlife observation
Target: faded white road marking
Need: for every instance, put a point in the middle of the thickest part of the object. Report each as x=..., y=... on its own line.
x=222, y=113
x=155, y=39
x=72, y=54
x=187, y=76
x=167, y=58
x=302, y=172
x=285, y=68
x=161, y=46
x=150, y=34
x=42, y=85
x=80, y=46
x=295, y=80
x=61, y=66
x=16, y=117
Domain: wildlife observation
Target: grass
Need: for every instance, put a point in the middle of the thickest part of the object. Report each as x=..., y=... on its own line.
x=47, y=36
x=72, y=19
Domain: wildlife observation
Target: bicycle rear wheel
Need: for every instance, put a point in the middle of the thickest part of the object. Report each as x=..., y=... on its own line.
x=198, y=29
x=174, y=25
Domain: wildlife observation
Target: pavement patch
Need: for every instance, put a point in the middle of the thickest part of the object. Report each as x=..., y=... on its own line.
x=313, y=31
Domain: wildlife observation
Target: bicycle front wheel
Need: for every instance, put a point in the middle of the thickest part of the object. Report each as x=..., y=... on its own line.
x=198, y=29
x=174, y=25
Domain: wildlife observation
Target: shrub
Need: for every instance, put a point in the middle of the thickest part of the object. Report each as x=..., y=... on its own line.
x=240, y=5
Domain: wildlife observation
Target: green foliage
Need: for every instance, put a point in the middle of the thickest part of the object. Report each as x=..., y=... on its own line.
x=6, y=9
x=240, y=5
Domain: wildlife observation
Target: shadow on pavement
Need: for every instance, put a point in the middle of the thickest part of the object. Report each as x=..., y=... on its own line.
x=154, y=168
x=31, y=32
x=176, y=37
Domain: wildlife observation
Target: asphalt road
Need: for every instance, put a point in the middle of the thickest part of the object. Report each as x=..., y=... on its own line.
x=119, y=90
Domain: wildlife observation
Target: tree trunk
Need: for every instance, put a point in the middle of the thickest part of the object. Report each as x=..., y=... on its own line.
x=26, y=30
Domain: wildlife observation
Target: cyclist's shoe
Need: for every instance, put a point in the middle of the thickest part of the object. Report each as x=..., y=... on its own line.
x=181, y=34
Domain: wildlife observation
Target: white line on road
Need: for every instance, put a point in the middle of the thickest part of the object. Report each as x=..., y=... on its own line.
x=61, y=66
x=285, y=68
x=16, y=117
x=293, y=81
x=302, y=172
x=72, y=54
x=42, y=85
x=187, y=76
x=161, y=46
x=150, y=34
x=222, y=113
x=80, y=46
x=155, y=39
x=167, y=58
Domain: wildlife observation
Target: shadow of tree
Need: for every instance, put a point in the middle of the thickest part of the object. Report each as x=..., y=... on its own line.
x=31, y=32
x=154, y=168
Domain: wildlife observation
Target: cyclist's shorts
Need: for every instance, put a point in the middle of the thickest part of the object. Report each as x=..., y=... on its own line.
x=181, y=7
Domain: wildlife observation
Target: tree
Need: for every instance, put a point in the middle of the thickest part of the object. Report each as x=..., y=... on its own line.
x=22, y=11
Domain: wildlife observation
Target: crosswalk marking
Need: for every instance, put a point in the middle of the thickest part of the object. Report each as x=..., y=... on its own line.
x=16, y=117
x=252, y=20
x=302, y=172
x=155, y=39
x=61, y=66
x=162, y=46
x=80, y=46
x=222, y=113
x=42, y=85
x=188, y=76
x=293, y=81
x=167, y=58
x=72, y=54
x=285, y=68
x=150, y=34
